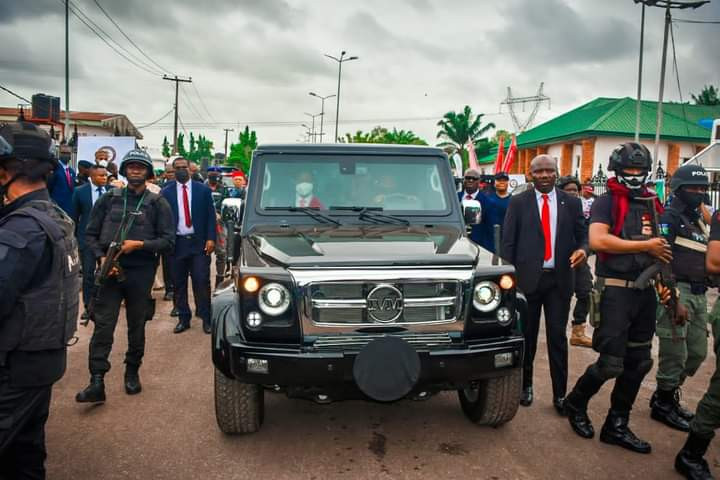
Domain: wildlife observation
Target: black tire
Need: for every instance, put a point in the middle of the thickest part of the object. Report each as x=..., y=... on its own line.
x=239, y=407
x=495, y=401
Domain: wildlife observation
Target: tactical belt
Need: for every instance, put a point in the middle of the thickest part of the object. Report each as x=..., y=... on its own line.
x=690, y=244
x=618, y=282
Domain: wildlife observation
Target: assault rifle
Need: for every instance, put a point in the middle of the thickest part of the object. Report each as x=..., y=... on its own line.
x=661, y=272
x=109, y=263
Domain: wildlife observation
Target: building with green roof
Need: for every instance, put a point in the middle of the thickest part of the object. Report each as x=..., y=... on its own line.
x=583, y=138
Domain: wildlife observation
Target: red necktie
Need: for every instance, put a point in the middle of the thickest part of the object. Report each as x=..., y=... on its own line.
x=186, y=207
x=69, y=178
x=468, y=197
x=302, y=202
x=546, y=227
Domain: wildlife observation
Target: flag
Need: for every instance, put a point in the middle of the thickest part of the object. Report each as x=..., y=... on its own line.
x=500, y=155
x=472, y=157
x=510, y=158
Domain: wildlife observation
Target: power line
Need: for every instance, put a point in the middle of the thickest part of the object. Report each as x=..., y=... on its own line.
x=93, y=27
x=15, y=94
x=191, y=105
x=202, y=102
x=156, y=121
x=677, y=76
x=712, y=22
x=164, y=70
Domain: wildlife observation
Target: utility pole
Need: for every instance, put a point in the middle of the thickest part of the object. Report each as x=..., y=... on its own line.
x=511, y=101
x=313, y=124
x=337, y=103
x=226, y=133
x=640, y=67
x=322, y=111
x=67, y=70
x=177, y=81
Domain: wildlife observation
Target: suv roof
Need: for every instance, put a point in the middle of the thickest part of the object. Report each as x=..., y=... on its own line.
x=350, y=148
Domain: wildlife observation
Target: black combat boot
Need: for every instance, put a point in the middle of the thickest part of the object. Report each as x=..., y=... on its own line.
x=93, y=393
x=578, y=418
x=615, y=431
x=665, y=404
x=132, y=380
x=682, y=411
x=690, y=462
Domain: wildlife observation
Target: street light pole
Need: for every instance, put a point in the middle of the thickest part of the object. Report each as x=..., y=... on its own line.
x=639, y=86
x=313, y=123
x=66, y=130
x=322, y=111
x=226, y=133
x=337, y=103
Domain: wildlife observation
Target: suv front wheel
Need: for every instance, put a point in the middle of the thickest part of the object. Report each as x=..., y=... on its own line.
x=493, y=401
x=239, y=407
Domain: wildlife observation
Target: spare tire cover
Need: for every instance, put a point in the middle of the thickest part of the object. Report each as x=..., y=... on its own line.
x=387, y=369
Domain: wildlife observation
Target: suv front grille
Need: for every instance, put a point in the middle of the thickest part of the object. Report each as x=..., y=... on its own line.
x=329, y=343
x=347, y=303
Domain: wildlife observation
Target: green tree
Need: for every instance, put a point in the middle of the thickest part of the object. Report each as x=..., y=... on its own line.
x=181, y=145
x=383, y=135
x=457, y=129
x=166, y=148
x=240, y=154
x=709, y=95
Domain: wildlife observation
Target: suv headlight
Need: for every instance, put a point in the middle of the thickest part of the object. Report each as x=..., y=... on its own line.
x=274, y=299
x=486, y=296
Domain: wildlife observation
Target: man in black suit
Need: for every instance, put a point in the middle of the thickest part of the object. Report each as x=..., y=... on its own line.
x=194, y=214
x=545, y=237
x=84, y=197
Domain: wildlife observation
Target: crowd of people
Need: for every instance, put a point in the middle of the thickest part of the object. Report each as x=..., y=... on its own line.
x=653, y=266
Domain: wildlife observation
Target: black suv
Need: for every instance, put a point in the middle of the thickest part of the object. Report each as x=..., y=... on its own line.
x=355, y=278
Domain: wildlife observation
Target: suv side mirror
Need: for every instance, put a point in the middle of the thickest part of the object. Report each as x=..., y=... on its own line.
x=231, y=210
x=472, y=211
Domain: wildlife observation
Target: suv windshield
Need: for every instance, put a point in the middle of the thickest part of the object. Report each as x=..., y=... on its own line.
x=410, y=184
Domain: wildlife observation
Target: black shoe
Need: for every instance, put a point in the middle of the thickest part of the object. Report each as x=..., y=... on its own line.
x=181, y=327
x=526, y=397
x=93, y=393
x=168, y=296
x=579, y=420
x=174, y=312
x=559, y=404
x=667, y=414
x=690, y=462
x=207, y=327
x=682, y=411
x=615, y=431
x=132, y=380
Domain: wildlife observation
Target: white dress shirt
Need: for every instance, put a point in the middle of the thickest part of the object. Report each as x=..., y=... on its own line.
x=472, y=195
x=183, y=229
x=303, y=201
x=552, y=202
x=94, y=193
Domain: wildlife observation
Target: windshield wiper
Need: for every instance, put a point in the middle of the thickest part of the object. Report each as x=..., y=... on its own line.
x=311, y=212
x=370, y=214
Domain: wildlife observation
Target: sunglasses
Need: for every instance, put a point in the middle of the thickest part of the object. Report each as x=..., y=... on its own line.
x=472, y=178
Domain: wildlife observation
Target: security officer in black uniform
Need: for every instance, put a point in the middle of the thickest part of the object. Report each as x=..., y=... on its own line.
x=142, y=222
x=39, y=285
x=683, y=348
x=621, y=233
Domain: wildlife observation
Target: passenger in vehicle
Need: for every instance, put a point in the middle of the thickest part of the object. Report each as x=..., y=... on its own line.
x=304, y=191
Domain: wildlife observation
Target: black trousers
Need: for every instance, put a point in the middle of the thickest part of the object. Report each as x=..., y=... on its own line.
x=88, y=262
x=556, y=306
x=627, y=326
x=23, y=414
x=135, y=290
x=167, y=273
x=190, y=260
x=583, y=287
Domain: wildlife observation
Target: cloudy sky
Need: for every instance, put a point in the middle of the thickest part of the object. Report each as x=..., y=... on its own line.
x=254, y=61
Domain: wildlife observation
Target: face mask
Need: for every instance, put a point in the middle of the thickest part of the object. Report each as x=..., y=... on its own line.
x=692, y=200
x=64, y=159
x=304, y=189
x=182, y=175
x=135, y=182
x=633, y=182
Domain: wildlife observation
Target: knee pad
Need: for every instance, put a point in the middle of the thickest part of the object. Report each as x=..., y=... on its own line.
x=609, y=366
x=639, y=359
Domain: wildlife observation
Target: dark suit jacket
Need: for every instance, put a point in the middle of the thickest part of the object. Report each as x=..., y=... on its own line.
x=82, y=206
x=523, y=242
x=202, y=209
x=60, y=191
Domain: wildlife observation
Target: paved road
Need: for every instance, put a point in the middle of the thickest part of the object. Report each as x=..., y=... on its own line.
x=169, y=430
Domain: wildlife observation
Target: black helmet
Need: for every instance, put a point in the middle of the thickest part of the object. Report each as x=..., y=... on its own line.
x=567, y=179
x=137, y=156
x=689, y=174
x=24, y=140
x=630, y=155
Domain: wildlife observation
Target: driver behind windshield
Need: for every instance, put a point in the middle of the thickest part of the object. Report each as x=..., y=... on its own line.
x=304, y=188
x=388, y=193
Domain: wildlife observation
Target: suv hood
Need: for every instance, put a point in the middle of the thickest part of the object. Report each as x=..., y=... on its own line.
x=355, y=247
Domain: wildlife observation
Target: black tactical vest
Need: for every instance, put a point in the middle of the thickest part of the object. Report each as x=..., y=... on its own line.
x=689, y=251
x=45, y=316
x=629, y=265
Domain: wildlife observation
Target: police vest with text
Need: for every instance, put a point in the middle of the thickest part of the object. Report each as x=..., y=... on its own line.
x=689, y=249
x=637, y=226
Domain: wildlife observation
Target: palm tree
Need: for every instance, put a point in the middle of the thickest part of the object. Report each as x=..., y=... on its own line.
x=708, y=96
x=403, y=137
x=459, y=128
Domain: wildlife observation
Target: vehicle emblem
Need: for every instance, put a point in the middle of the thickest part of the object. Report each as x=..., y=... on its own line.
x=385, y=303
